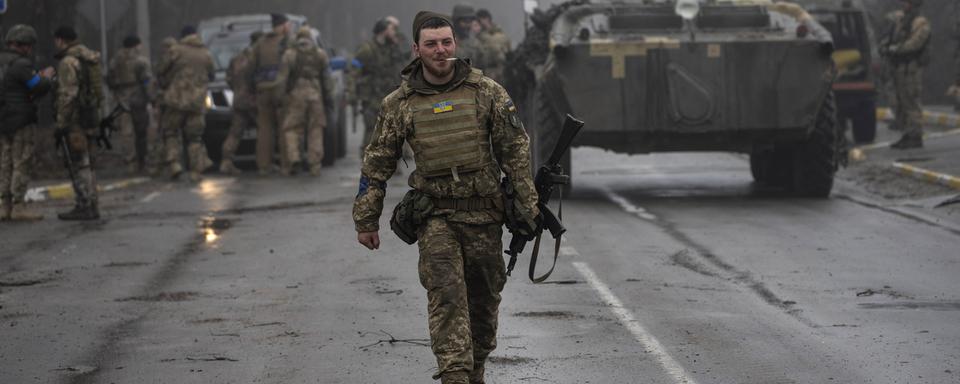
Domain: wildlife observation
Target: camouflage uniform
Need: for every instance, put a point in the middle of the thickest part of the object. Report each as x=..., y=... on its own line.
x=155, y=147
x=77, y=112
x=306, y=68
x=244, y=106
x=905, y=53
x=129, y=80
x=18, y=125
x=495, y=45
x=186, y=70
x=374, y=77
x=461, y=265
x=271, y=90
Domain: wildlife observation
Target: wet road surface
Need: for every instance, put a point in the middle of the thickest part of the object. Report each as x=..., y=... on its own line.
x=675, y=269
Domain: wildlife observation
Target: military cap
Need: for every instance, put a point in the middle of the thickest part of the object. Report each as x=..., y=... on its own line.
x=22, y=34
x=423, y=17
x=65, y=33
x=278, y=19
x=304, y=32
x=483, y=13
x=380, y=26
x=131, y=41
x=463, y=11
x=187, y=31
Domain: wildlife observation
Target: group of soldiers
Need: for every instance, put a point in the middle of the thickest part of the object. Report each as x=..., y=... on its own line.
x=78, y=95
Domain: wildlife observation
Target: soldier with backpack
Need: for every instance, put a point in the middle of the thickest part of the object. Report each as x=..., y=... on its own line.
x=78, y=99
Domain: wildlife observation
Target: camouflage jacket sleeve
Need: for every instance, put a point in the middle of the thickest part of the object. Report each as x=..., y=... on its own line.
x=379, y=163
x=511, y=146
x=163, y=67
x=362, y=77
x=68, y=88
x=919, y=34
x=287, y=63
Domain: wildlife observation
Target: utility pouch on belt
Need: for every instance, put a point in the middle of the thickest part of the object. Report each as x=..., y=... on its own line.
x=410, y=214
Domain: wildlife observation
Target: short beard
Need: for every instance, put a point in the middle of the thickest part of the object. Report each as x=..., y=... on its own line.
x=437, y=72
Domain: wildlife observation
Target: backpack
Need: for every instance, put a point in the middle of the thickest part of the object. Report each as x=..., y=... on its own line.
x=91, y=93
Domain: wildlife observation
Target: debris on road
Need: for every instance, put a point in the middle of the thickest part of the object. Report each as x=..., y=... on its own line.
x=393, y=340
x=163, y=296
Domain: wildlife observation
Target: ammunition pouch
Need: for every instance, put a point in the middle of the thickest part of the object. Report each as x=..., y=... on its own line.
x=411, y=213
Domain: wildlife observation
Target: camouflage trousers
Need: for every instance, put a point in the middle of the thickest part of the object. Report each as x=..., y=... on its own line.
x=304, y=116
x=82, y=160
x=184, y=125
x=463, y=271
x=907, y=80
x=241, y=120
x=269, y=117
x=132, y=128
x=16, y=163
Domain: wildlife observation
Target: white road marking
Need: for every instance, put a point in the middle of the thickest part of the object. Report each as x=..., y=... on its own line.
x=150, y=197
x=626, y=205
x=673, y=369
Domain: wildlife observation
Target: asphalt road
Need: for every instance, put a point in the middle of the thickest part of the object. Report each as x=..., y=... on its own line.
x=676, y=269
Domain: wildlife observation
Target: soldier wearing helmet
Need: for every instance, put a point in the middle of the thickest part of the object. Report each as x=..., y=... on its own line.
x=907, y=53
x=20, y=87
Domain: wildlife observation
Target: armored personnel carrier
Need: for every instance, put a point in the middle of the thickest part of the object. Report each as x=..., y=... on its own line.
x=743, y=76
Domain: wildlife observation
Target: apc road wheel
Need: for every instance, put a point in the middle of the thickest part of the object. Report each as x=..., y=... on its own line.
x=546, y=132
x=815, y=160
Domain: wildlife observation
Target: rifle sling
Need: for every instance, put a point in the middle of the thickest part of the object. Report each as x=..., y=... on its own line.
x=536, y=251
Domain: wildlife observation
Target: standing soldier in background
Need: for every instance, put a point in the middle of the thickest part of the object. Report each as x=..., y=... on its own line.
x=244, y=103
x=495, y=45
x=129, y=79
x=402, y=43
x=78, y=102
x=465, y=133
x=468, y=46
x=376, y=73
x=21, y=86
x=310, y=94
x=907, y=53
x=270, y=89
x=155, y=156
x=186, y=70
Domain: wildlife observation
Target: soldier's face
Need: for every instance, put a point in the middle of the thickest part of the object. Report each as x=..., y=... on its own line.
x=434, y=48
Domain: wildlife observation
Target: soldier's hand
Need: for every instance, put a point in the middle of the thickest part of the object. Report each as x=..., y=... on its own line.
x=47, y=72
x=371, y=240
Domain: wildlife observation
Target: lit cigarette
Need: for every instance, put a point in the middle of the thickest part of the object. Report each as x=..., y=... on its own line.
x=452, y=59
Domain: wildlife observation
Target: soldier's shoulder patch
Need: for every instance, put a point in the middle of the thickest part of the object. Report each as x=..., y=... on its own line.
x=511, y=111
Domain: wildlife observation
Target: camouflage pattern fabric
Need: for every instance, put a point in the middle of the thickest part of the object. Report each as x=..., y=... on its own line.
x=270, y=97
x=306, y=68
x=461, y=265
x=463, y=272
x=16, y=163
x=177, y=126
x=375, y=78
x=911, y=37
x=80, y=132
x=240, y=121
x=495, y=45
x=129, y=80
x=187, y=68
x=244, y=102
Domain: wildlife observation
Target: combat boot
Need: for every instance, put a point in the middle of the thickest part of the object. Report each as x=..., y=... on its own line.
x=79, y=213
x=908, y=142
x=315, y=170
x=195, y=177
x=476, y=376
x=457, y=377
x=175, y=170
x=20, y=212
x=228, y=168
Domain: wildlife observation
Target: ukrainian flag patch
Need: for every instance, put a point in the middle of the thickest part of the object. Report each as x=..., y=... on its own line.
x=443, y=106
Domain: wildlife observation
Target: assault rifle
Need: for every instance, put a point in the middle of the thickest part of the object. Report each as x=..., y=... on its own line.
x=106, y=126
x=549, y=176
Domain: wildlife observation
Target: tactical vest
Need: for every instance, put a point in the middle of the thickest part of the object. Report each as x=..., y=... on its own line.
x=268, y=54
x=124, y=73
x=308, y=63
x=448, y=137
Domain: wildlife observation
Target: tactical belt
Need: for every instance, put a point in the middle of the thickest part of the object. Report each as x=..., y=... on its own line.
x=469, y=204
